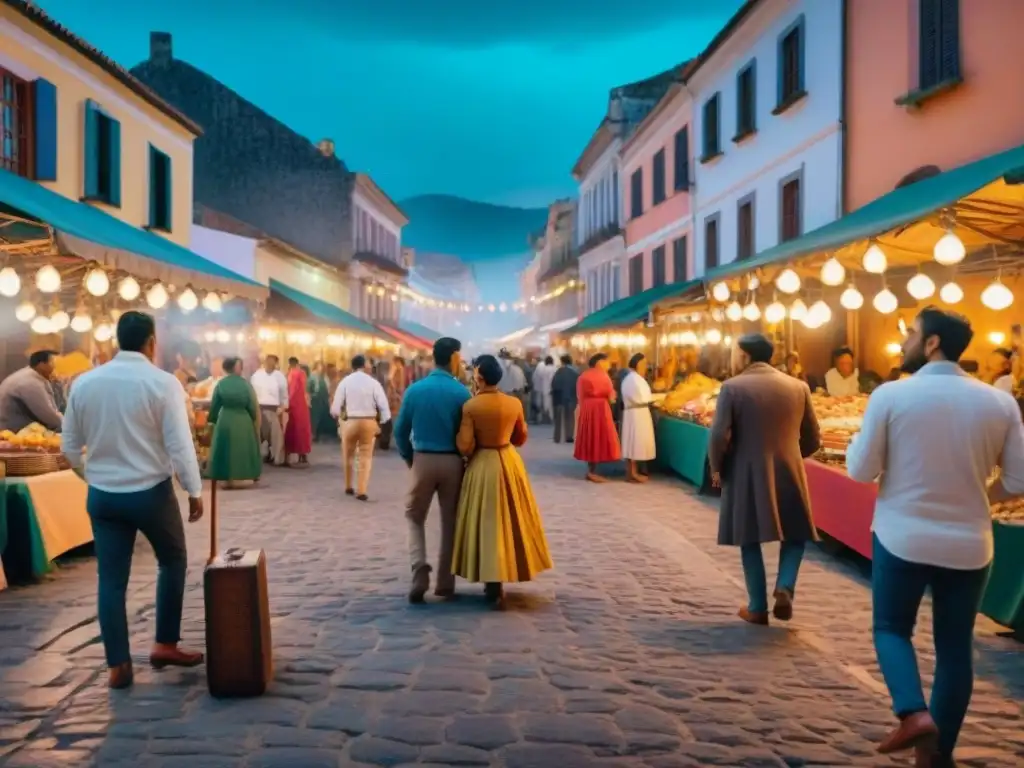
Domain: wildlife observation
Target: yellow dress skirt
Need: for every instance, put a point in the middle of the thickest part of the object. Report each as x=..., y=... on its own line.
x=499, y=536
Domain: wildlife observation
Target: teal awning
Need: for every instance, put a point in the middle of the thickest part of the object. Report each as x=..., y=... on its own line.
x=419, y=330
x=90, y=233
x=632, y=309
x=905, y=206
x=318, y=309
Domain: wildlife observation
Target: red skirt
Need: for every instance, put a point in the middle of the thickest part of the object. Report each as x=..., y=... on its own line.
x=596, y=439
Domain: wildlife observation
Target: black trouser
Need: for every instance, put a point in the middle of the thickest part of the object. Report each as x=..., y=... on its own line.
x=384, y=438
x=565, y=422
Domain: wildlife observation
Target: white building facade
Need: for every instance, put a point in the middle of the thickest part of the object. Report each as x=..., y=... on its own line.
x=767, y=139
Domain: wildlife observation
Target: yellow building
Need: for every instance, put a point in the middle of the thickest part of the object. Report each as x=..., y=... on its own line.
x=87, y=129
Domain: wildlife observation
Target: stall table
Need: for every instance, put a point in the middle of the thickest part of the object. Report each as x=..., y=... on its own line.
x=682, y=447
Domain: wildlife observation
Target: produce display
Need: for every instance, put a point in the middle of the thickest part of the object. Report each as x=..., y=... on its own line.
x=839, y=419
x=693, y=399
x=1009, y=511
x=35, y=438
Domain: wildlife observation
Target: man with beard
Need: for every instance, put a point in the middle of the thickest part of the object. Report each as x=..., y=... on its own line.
x=933, y=439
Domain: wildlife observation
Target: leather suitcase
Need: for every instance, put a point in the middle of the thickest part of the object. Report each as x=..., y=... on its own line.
x=239, y=659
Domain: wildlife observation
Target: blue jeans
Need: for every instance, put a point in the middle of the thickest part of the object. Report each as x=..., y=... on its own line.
x=897, y=588
x=116, y=519
x=791, y=554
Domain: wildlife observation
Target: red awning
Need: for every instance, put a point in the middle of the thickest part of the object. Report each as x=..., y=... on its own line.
x=406, y=338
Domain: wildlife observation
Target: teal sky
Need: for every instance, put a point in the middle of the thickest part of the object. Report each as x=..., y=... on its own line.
x=492, y=101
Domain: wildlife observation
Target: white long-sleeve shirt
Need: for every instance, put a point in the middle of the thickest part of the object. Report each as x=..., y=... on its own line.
x=361, y=396
x=271, y=388
x=131, y=418
x=932, y=440
x=512, y=378
x=542, y=377
x=838, y=385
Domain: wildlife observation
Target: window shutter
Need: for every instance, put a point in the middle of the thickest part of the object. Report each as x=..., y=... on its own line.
x=115, y=162
x=949, y=40
x=154, y=172
x=929, y=28
x=801, y=68
x=168, y=193
x=45, y=100
x=91, y=151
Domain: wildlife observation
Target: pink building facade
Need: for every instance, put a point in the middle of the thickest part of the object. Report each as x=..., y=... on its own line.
x=655, y=178
x=928, y=88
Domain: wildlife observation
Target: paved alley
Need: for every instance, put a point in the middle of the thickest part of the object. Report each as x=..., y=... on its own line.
x=627, y=654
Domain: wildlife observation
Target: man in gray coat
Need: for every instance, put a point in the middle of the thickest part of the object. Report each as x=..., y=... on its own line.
x=764, y=428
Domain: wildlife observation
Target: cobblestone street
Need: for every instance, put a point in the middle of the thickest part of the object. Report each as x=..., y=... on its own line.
x=627, y=654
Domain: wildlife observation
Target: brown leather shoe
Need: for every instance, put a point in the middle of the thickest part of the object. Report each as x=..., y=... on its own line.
x=420, y=584
x=927, y=757
x=916, y=730
x=783, y=608
x=121, y=676
x=164, y=655
x=753, y=617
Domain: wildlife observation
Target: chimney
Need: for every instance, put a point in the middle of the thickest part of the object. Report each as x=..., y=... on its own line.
x=160, y=47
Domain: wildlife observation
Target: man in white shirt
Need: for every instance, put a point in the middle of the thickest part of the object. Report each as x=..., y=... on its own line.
x=932, y=440
x=361, y=405
x=843, y=379
x=542, y=377
x=272, y=394
x=130, y=418
x=513, y=380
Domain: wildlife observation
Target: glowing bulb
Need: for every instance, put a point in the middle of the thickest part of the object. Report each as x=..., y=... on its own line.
x=893, y=349
x=157, y=296
x=851, y=299
x=951, y=293
x=212, y=302
x=832, y=272
x=788, y=281
x=727, y=341
x=59, y=320
x=949, y=250
x=813, y=321
x=734, y=312
x=10, y=283
x=920, y=286
x=81, y=322
x=41, y=325
x=688, y=338
x=128, y=289
x=997, y=338
x=48, y=279
x=97, y=283
x=874, y=260
x=713, y=336
x=104, y=332
x=775, y=312
x=188, y=300
x=752, y=312
x=753, y=283
x=822, y=312
x=25, y=311
x=885, y=301
x=797, y=310
x=997, y=296
x=720, y=292
x=210, y=336
x=223, y=336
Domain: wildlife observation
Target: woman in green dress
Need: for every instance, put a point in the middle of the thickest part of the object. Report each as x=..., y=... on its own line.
x=235, y=420
x=319, y=403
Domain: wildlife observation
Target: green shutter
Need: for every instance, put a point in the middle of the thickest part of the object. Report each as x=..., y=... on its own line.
x=44, y=98
x=115, y=162
x=168, y=194
x=154, y=213
x=91, y=151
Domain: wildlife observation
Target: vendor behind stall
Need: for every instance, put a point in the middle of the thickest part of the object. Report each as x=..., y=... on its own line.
x=26, y=396
x=843, y=379
x=999, y=369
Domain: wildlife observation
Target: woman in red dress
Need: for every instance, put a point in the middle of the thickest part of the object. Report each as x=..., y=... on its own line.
x=298, y=431
x=596, y=439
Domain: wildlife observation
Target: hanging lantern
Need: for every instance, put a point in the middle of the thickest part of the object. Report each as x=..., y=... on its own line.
x=949, y=249
x=821, y=311
x=832, y=272
x=10, y=283
x=25, y=311
x=720, y=292
x=788, y=281
x=951, y=293
x=59, y=320
x=157, y=296
x=128, y=289
x=997, y=296
x=103, y=333
x=885, y=301
x=775, y=312
x=874, y=260
x=713, y=336
x=797, y=310
x=920, y=286
x=223, y=336
x=187, y=300
x=81, y=322
x=41, y=325
x=751, y=312
x=48, y=279
x=97, y=283
x=851, y=299
x=212, y=302
x=734, y=312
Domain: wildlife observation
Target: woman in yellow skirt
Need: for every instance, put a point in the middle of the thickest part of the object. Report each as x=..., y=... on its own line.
x=499, y=536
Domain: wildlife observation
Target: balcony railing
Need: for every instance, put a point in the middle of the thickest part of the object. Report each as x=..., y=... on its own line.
x=382, y=263
x=600, y=237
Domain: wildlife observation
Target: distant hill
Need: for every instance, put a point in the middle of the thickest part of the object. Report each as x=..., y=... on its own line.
x=473, y=231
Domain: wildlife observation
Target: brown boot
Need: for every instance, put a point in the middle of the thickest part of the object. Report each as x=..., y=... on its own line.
x=916, y=730
x=420, y=584
x=170, y=655
x=783, y=608
x=121, y=676
x=753, y=617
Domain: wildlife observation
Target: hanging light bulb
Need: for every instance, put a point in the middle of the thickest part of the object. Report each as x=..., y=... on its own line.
x=128, y=289
x=734, y=312
x=753, y=283
x=97, y=283
x=10, y=283
x=223, y=336
x=104, y=332
x=951, y=293
x=687, y=338
x=59, y=320
x=797, y=310
x=48, y=279
x=752, y=312
x=832, y=272
x=720, y=292
x=949, y=250
x=997, y=296
x=851, y=299
x=874, y=260
x=813, y=321
x=885, y=301
x=788, y=281
x=81, y=322
x=157, y=296
x=25, y=311
x=713, y=336
x=212, y=302
x=920, y=286
x=187, y=300
x=41, y=325
x=775, y=312
x=822, y=312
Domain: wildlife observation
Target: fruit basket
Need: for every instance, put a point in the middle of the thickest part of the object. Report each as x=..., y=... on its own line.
x=32, y=463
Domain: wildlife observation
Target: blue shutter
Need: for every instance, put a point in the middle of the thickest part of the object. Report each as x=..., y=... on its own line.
x=801, y=58
x=45, y=99
x=115, y=162
x=168, y=190
x=91, y=151
x=154, y=213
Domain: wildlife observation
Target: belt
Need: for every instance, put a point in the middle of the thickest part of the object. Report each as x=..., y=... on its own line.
x=360, y=418
x=493, y=447
x=440, y=453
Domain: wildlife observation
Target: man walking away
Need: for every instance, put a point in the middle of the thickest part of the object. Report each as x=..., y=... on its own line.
x=272, y=393
x=542, y=377
x=131, y=419
x=563, y=400
x=934, y=438
x=425, y=433
x=764, y=427
x=361, y=406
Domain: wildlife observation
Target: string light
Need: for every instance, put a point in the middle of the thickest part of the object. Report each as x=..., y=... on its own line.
x=10, y=282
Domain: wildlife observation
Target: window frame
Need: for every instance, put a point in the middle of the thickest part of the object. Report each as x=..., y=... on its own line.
x=716, y=219
x=23, y=141
x=658, y=266
x=681, y=160
x=786, y=97
x=745, y=201
x=712, y=106
x=748, y=127
x=636, y=286
x=659, y=186
x=676, y=250
x=636, y=193
x=160, y=220
x=797, y=176
x=935, y=70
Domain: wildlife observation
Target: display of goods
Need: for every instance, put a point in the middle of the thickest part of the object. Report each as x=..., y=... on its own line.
x=1009, y=511
x=691, y=396
x=35, y=438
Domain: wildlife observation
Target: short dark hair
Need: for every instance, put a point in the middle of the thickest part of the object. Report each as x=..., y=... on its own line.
x=595, y=359
x=566, y=359
x=444, y=349
x=41, y=357
x=358, y=362
x=954, y=331
x=293, y=361
x=758, y=346
x=134, y=330
x=837, y=353
x=549, y=360
x=1003, y=351
x=634, y=361
x=490, y=369
x=268, y=358
x=229, y=364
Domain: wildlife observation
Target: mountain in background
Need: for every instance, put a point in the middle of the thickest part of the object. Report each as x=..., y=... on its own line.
x=473, y=231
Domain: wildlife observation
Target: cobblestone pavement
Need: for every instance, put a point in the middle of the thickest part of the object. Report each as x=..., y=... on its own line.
x=628, y=654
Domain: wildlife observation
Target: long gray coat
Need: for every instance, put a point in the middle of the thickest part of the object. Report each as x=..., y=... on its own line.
x=764, y=427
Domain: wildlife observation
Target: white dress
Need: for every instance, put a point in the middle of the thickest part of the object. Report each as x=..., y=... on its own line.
x=637, y=422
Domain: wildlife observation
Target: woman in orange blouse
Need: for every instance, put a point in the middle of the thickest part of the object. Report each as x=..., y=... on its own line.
x=499, y=536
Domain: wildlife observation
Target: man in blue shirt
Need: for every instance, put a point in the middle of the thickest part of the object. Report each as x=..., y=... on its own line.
x=425, y=432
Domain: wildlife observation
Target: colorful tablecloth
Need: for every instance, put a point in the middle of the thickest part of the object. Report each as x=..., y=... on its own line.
x=682, y=446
